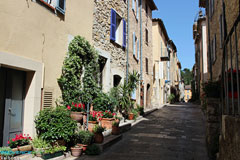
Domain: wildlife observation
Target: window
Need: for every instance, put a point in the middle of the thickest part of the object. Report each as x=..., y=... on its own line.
x=146, y=65
x=135, y=8
x=221, y=30
x=135, y=46
x=116, y=80
x=213, y=48
x=59, y=5
x=134, y=95
x=146, y=8
x=118, y=29
x=146, y=36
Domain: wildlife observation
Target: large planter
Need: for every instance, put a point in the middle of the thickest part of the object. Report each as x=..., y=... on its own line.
x=107, y=122
x=130, y=116
x=23, y=148
x=77, y=116
x=98, y=138
x=52, y=155
x=115, y=130
x=76, y=151
x=91, y=125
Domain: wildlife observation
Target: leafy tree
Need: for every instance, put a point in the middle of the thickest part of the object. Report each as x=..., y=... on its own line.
x=187, y=76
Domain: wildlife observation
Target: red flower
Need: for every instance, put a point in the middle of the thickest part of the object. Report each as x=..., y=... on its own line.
x=13, y=139
x=72, y=103
x=79, y=105
x=106, y=111
x=68, y=107
x=83, y=106
x=114, y=114
x=109, y=112
x=75, y=105
x=8, y=142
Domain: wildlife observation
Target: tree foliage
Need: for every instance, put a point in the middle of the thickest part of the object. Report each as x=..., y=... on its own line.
x=79, y=79
x=187, y=76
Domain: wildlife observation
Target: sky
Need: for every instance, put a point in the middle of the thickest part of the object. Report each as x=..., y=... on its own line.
x=178, y=17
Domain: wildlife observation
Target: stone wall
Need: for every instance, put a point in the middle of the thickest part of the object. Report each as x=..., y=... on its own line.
x=213, y=127
x=230, y=139
x=101, y=31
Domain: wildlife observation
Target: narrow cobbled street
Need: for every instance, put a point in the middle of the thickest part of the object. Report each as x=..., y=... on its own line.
x=175, y=132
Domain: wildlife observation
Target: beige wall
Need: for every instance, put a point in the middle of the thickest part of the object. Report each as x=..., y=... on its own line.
x=33, y=32
x=188, y=93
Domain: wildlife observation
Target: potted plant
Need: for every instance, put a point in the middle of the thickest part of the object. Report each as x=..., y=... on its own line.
x=76, y=151
x=107, y=119
x=115, y=128
x=20, y=143
x=77, y=111
x=5, y=153
x=85, y=138
x=171, y=98
x=94, y=117
x=52, y=152
x=55, y=125
x=39, y=145
x=98, y=136
x=93, y=150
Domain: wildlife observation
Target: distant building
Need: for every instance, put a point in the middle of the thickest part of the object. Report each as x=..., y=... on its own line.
x=188, y=93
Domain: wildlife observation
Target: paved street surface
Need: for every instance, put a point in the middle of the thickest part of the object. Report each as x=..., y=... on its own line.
x=175, y=132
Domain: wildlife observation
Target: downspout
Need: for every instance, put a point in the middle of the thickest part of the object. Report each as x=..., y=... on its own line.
x=127, y=40
x=141, y=67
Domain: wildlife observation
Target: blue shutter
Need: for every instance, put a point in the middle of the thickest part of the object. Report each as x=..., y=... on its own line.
x=133, y=5
x=138, y=50
x=124, y=33
x=133, y=40
x=61, y=6
x=113, y=25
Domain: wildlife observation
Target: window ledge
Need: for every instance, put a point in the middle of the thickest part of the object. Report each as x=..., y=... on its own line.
x=48, y=5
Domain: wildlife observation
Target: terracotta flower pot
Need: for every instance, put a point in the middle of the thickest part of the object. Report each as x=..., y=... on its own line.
x=107, y=122
x=84, y=147
x=77, y=116
x=98, y=138
x=76, y=151
x=91, y=125
x=130, y=116
x=115, y=130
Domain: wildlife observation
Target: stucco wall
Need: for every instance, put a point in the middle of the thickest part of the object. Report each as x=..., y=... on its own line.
x=29, y=29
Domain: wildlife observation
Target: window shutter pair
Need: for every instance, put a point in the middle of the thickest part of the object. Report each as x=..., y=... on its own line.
x=114, y=28
x=61, y=5
x=134, y=44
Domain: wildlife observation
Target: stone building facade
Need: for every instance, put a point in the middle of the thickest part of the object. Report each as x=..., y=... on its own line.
x=201, y=58
x=140, y=48
x=161, y=57
x=223, y=30
x=33, y=44
x=109, y=38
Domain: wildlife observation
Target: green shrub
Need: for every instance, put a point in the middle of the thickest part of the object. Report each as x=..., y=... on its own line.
x=55, y=124
x=85, y=137
x=98, y=129
x=103, y=102
x=93, y=150
x=40, y=143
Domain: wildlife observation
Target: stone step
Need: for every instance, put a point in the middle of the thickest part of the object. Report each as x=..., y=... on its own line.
x=109, y=141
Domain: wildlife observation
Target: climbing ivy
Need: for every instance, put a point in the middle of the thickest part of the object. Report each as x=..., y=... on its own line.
x=80, y=72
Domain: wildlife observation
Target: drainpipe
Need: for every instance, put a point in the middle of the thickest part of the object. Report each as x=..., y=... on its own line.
x=127, y=40
x=141, y=68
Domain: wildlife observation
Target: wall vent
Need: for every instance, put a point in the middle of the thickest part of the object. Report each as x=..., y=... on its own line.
x=47, y=99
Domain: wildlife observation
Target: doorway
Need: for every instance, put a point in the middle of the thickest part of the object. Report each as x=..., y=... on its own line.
x=12, y=95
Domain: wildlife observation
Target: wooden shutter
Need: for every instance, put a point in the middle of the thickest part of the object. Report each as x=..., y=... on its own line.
x=133, y=41
x=137, y=9
x=113, y=25
x=138, y=49
x=133, y=5
x=61, y=6
x=124, y=33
